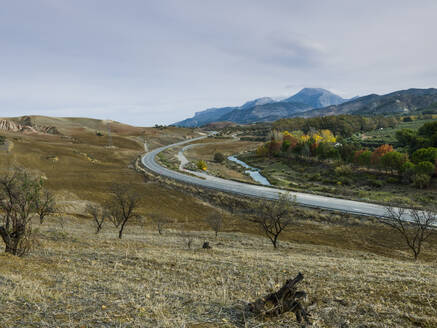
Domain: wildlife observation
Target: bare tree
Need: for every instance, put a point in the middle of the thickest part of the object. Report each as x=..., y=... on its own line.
x=215, y=221
x=123, y=206
x=160, y=221
x=20, y=194
x=414, y=225
x=98, y=214
x=273, y=216
x=45, y=205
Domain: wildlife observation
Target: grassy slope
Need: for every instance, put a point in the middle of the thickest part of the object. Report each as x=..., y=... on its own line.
x=80, y=167
x=77, y=279
x=355, y=273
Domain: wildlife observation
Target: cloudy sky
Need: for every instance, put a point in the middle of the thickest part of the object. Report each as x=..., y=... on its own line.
x=145, y=61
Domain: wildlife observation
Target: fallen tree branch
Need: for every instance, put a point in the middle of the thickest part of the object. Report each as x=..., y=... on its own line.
x=286, y=299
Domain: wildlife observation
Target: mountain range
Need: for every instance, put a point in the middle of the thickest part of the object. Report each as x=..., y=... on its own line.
x=310, y=102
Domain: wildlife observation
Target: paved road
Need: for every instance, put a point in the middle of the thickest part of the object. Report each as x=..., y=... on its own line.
x=244, y=189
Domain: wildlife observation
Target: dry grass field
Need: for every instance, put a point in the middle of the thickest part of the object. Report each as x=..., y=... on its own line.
x=79, y=165
x=357, y=273
x=75, y=278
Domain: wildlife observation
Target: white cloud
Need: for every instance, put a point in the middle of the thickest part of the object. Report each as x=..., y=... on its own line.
x=159, y=62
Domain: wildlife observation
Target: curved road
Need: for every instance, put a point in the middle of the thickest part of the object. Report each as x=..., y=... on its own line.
x=240, y=188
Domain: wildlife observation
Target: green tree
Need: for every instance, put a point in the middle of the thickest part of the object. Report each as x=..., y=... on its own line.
x=424, y=155
x=393, y=161
x=425, y=168
x=405, y=137
x=408, y=170
x=363, y=157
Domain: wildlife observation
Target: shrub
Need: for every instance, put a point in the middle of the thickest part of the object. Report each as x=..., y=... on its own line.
x=343, y=170
x=315, y=177
x=421, y=180
x=219, y=157
x=425, y=168
x=376, y=183
x=21, y=194
x=201, y=165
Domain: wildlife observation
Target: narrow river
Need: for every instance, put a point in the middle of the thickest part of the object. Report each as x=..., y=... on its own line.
x=252, y=171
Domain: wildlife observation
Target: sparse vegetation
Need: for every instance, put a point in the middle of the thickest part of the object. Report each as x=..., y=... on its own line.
x=414, y=225
x=20, y=199
x=273, y=216
x=100, y=280
x=98, y=214
x=45, y=204
x=123, y=206
x=215, y=221
x=160, y=221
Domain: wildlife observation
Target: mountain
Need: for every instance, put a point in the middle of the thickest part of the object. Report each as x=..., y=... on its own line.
x=403, y=101
x=316, y=98
x=265, y=113
x=257, y=102
x=204, y=117
x=265, y=109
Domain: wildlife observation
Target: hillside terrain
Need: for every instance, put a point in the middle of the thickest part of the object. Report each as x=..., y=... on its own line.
x=357, y=271
x=399, y=102
x=85, y=156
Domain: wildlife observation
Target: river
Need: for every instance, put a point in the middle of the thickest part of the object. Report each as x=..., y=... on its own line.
x=252, y=171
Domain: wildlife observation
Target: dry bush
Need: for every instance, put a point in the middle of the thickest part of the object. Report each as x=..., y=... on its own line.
x=98, y=214
x=122, y=206
x=273, y=216
x=160, y=221
x=215, y=221
x=45, y=205
x=414, y=225
x=21, y=196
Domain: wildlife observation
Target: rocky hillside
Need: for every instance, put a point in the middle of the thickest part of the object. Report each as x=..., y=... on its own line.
x=25, y=125
x=399, y=102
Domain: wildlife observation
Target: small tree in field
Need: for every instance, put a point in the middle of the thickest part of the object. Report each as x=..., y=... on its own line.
x=414, y=225
x=45, y=205
x=274, y=216
x=122, y=206
x=98, y=214
x=160, y=222
x=215, y=221
x=20, y=196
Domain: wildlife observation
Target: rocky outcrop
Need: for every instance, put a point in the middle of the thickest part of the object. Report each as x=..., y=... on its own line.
x=24, y=125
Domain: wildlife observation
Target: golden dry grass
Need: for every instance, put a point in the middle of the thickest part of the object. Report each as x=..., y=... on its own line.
x=75, y=278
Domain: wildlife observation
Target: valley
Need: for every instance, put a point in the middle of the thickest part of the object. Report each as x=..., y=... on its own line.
x=135, y=281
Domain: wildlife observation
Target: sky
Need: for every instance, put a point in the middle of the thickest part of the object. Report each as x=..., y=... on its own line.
x=147, y=62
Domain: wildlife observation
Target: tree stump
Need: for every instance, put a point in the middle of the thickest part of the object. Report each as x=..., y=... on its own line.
x=288, y=298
